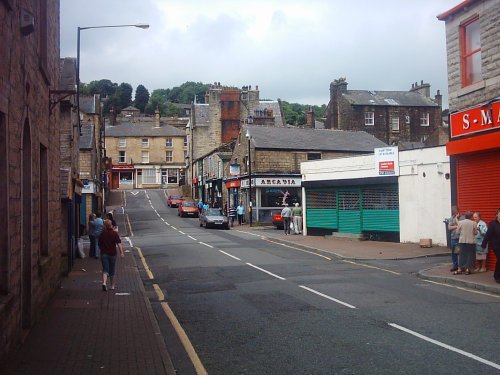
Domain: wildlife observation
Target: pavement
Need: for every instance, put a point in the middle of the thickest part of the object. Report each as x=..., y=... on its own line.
x=87, y=331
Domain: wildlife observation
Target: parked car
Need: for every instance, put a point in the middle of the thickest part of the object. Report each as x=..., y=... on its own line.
x=174, y=200
x=213, y=217
x=278, y=221
x=187, y=208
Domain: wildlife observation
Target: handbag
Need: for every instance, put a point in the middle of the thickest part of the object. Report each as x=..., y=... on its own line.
x=291, y=225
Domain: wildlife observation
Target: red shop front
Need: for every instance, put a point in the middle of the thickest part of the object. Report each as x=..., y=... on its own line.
x=474, y=150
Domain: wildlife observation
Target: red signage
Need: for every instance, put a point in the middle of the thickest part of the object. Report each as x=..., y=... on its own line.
x=386, y=167
x=475, y=120
x=121, y=167
x=233, y=184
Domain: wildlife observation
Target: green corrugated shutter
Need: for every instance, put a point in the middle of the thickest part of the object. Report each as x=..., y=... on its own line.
x=349, y=208
x=321, y=209
x=381, y=208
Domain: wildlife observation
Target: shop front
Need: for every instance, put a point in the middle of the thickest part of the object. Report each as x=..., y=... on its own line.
x=269, y=195
x=474, y=149
x=122, y=176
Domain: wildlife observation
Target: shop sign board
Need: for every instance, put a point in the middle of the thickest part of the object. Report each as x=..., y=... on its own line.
x=386, y=161
x=122, y=167
x=234, y=169
x=88, y=187
x=273, y=182
x=233, y=184
x=474, y=120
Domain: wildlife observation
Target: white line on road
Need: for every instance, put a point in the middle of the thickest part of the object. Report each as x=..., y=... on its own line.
x=173, y=227
x=327, y=297
x=443, y=345
x=205, y=244
x=162, y=219
x=252, y=234
x=193, y=238
x=296, y=248
x=181, y=232
x=263, y=270
x=229, y=255
x=368, y=266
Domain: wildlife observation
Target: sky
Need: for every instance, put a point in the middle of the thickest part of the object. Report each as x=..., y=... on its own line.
x=290, y=49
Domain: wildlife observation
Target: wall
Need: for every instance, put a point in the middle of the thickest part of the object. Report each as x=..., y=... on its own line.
x=489, y=13
x=424, y=201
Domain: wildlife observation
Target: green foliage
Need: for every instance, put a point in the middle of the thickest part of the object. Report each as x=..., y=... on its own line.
x=124, y=95
x=141, y=97
x=295, y=114
x=183, y=94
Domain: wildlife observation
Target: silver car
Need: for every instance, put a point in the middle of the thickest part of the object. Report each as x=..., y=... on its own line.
x=213, y=217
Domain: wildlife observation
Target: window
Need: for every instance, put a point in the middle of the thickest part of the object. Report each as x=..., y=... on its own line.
x=122, y=157
x=471, y=52
x=144, y=157
x=145, y=142
x=149, y=176
x=172, y=177
x=424, y=120
x=314, y=156
x=369, y=118
x=169, y=142
x=169, y=156
x=122, y=142
x=394, y=124
x=185, y=141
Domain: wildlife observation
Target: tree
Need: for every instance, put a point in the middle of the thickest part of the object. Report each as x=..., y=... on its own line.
x=141, y=98
x=295, y=114
x=123, y=95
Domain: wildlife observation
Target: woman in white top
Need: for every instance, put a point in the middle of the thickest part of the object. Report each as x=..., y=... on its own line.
x=480, y=252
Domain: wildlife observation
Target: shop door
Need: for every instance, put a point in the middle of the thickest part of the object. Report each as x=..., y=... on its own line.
x=115, y=181
x=349, y=209
x=478, y=178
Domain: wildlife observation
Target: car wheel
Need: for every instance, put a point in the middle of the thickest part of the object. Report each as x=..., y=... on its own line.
x=226, y=227
x=201, y=224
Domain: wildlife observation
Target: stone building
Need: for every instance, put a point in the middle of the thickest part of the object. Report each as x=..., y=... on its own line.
x=391, y=116
x=30, y=250
x=273, y=155
x=218, y=121
x=146, y=152
x=473, y=52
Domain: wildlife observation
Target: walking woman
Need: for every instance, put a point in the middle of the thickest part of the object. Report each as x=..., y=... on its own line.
x=109, y=241
x=493, y=236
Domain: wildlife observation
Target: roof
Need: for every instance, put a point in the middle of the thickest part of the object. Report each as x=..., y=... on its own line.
x=275, y=106
x=86, y=137
x=88, y=104
x=388, y=98
x=201, y=115
x=292, y=138
x=131, y=109
x=455, y=9
x=143, y=130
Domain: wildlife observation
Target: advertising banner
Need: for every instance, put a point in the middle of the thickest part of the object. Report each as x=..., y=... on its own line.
x=386, y=161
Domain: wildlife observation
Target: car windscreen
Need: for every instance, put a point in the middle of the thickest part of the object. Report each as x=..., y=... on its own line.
x=188, y=204
x=213, y=212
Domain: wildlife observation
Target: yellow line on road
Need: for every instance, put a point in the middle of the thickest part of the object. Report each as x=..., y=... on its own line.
x=144, y=263
x=159, y=292
x=367, y=266
x=199, y=368
x=462, y=288
x=129, y=225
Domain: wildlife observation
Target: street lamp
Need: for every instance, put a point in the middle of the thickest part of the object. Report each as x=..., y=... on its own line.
x=79, y=29
x=249, y=137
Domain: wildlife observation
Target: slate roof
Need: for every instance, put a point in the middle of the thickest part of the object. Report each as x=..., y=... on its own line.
x=86, y=137
x=143, y=130
x=88, y=104
x=201, y=115
x=291, y=138
x=388, y=98
x=131, y=109
x=275, y=106
x=67, y=69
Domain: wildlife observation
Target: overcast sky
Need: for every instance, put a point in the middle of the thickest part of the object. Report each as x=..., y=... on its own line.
x=291, y=49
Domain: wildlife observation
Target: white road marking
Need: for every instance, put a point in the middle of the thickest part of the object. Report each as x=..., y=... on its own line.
x=162, y=219
x=263, y=270
x=327, y=297
x=298, y=249
x=462, y=288
x=229, y=255
x=252, y=234
x=181, y=232
x=134, y=193
x=368, y=266
x=173, y=227
x=443, y=345
x=205, y=244
x=193, y=238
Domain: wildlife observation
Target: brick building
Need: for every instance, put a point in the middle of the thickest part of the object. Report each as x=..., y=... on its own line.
x=391, y=116
x=473, y=51
x=146, y=152
x=274, y=155
x=218, y=121
x=30, y=248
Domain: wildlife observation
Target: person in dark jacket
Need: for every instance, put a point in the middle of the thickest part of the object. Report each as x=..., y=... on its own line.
x=109, y=244
x=493, y=236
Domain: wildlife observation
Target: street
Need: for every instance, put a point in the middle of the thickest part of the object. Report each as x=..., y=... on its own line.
x=249, y=305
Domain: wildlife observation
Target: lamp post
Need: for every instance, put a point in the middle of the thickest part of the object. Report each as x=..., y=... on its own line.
x=79, y=29
x=249, y=137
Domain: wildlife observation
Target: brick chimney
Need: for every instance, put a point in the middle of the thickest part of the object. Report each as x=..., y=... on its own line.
x=423, y=89
x=112, y=116
x=438, y=98
x=310, y=119
x=337, y=87
x=157, y=117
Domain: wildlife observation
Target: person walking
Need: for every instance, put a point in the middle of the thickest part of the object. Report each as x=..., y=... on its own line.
x=91, y=229
x=232, y=215
x=480, y=252
x=241, y=213
x=297, y=219
x=109, y=241
x=109, y=216
x=452, y=227
x=200, y=206
x=467, y=230
x=286, y=214
x=99, y=227
x=493, y=236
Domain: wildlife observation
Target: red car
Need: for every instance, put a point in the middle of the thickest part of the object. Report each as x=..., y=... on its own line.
x=187, y=208
x=174, y=200
x=278, y=221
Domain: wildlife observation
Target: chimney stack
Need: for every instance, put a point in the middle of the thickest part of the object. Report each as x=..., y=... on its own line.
x=157, y=117
x=310, y=118
x=438, y=98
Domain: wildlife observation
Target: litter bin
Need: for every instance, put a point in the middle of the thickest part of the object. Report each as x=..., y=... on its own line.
x=448, y=234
